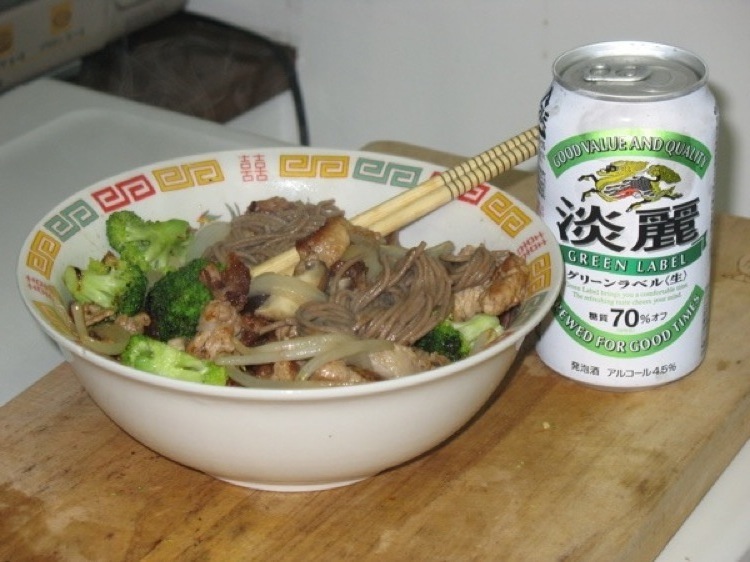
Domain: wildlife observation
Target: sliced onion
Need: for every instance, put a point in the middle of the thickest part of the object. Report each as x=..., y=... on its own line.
x=348, y=349
x=438, y=250
x=285, y=350
x=485, y=339
x=78, y=321
x=242, y=378
x=63, y=314
x=114, y=334
x=397, y=252
x=114, y=347
x=393, y=253
x=276, y=284
x=207, y=236
x=369, y=255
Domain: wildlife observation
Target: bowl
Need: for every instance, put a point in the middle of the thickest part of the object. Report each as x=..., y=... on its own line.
x=290, y=439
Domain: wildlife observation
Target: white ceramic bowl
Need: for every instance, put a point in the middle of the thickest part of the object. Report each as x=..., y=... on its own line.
x=298, y=439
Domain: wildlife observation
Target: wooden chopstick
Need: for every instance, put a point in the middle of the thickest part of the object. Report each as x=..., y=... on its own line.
x=397, y=212
x=415, y=203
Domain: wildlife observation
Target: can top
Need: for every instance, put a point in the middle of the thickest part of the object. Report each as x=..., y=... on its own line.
x=630, y=71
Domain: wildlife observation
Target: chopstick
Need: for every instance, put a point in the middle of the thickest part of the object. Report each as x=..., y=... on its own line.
x=415, y=203
x=442, y=188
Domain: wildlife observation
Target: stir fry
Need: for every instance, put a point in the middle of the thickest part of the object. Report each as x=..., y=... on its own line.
x=359, y=307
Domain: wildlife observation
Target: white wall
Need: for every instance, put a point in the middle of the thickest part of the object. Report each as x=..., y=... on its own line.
x=462, y=75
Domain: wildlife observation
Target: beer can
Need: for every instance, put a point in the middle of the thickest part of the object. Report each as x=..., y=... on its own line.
x=626, y=172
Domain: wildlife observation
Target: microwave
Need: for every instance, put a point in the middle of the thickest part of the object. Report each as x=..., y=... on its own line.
x=38, y=37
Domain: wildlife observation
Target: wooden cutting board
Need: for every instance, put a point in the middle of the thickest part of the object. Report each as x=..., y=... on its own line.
x=548, y=470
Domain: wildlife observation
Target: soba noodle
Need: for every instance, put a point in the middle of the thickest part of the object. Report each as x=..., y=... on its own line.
x=407, y=290
x=269, y=228
x=405, y=302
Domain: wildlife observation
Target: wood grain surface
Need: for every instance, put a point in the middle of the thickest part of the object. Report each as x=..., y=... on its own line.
x=548, y=470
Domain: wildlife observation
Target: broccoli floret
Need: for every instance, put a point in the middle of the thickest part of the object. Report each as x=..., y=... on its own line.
x=175, y=302
x=158, y=246
x=445, y=340
x=477, y=325
x=111, y=282
x=455, y=340
x=159, y=358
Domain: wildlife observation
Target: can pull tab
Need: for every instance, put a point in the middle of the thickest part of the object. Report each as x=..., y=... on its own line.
x=624, y=73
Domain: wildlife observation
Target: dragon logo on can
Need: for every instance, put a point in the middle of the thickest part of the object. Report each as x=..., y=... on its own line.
x=622, y=179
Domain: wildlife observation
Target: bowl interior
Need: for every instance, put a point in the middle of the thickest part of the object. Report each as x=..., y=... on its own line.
x=210, y=187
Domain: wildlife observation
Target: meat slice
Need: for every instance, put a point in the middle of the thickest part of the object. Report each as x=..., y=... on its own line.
x=400, y=361
x=508, y=286
x=339, y=372
x=134, y=324
x=93, y=313
x=230, y=284
x=278, y=371
x=505, y=289
x=271, y=206
x=326, y=244
x=218, y=326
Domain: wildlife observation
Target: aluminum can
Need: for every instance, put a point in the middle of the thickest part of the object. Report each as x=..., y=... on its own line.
x=626, y=177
